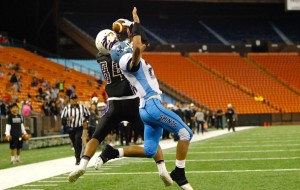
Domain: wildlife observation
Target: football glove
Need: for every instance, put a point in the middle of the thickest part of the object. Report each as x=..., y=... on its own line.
x=126, y=23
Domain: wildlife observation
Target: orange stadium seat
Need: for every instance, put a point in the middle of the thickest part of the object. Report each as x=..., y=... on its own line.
x=204, y=87
x=286, y=66
x=248, y=75
x=44, y=68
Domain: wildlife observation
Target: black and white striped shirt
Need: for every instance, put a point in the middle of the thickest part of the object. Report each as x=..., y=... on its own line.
x=79, y=112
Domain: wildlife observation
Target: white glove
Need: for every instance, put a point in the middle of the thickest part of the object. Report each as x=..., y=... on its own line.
x=126, y=23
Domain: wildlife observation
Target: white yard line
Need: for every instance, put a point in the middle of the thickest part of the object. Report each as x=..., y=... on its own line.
x=225, y=160
x=241, y=151
x=252, y=142
x=200, y=172
x=242, y=146
x=24, y=174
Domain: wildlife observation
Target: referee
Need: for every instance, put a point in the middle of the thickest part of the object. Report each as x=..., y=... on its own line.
x=76, y=115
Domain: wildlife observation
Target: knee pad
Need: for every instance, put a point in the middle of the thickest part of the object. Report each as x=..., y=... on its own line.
x=185, y=134
x=150, y=149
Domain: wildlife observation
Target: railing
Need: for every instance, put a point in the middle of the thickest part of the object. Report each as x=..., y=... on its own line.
x=47, y=141
x=78, y=67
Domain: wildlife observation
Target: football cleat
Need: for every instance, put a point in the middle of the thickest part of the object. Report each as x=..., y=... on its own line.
x=166, y=178
x=186, y=187
x=98, y=163
x=178, y=175
x=73, y=176
x=109, y=153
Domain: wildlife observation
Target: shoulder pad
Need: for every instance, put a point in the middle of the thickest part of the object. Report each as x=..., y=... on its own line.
x=101, y=57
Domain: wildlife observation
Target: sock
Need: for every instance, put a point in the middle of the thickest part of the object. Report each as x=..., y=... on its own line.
x=12, y=158
x=161, y=166
x=17, y=158
x=180, y=163
x=121, y=152
x=86, y=157
x=83, y=163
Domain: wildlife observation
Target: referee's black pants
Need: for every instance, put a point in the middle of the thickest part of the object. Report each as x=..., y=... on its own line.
x=75, y=135
x=230, y=124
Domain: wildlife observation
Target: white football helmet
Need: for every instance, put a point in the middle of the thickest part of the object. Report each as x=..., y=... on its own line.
x=94, y=99
x=105, y=40
x=101, y=106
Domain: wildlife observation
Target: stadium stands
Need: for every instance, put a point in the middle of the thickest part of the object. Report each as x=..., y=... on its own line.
x=260, y=83
x=243, y=30
x=179, y=29
x=217, y=80
x=285, y=66
x=290, y=27
x=201, y=84
x=35, y=65
x=183, y=28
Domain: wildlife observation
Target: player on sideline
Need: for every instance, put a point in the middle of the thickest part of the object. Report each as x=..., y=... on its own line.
x=154, y=115
x=14, y=132
x=122, y=105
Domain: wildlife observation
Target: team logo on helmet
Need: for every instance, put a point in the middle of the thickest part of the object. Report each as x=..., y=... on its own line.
x=108, y=41
x=105, y=40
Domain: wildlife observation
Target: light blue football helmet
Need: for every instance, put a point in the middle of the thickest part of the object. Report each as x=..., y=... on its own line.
x=118, y=50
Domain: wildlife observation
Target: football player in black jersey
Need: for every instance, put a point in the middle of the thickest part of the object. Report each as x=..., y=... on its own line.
x=14, y=131
x=122, y=104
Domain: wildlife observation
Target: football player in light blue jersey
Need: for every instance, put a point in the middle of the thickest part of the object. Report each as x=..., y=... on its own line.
x=154, y=115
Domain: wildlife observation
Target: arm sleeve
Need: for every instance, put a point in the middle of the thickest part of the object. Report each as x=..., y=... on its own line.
x=23, y=129
x=7, y=129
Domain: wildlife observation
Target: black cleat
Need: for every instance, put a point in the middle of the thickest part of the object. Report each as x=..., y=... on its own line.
x=109, y=153
x=178, y=175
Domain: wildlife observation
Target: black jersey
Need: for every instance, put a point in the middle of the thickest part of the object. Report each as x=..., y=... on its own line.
x=116, y=83
x=15, y=122
x=229, y=113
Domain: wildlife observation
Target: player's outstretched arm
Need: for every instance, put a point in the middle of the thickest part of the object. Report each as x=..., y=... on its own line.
x=135, y=16
x=138, y=47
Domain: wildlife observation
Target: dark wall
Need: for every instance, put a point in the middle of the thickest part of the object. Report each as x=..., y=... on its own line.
x=275, y=119
x=254, y=119
x=33, y=20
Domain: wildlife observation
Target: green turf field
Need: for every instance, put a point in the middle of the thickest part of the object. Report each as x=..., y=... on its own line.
x=34, y=155
x=258, y=159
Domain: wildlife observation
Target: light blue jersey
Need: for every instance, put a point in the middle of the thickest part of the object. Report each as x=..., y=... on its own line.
x=143, y=80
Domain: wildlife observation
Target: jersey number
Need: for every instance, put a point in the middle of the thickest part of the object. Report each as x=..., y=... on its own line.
x=115, y=71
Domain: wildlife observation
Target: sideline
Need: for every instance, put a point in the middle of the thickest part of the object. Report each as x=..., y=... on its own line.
x=20, y=175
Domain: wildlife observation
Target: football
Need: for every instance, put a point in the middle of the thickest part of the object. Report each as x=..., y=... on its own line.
x=26, y=137
x=118, y=27
x=7, y=138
